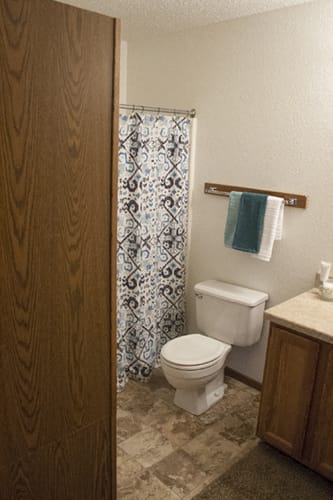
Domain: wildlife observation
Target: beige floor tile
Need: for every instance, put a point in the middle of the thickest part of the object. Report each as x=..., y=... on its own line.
x=209, y=479
x=137, y=398
x=214, y=474
x=175, y=424
x=158, y=380
x=165, y=394
x=211, y=451
x=121, y=453
x=128, y=424
x=146, y=487
x=179, y=472
x=167, y=453
x=237, y=398
x=160, y=387
x=128, y=471
x=147, y=447
x=236, y=427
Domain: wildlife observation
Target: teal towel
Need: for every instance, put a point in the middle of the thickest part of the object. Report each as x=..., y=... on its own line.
x=250, y=222
x=232, y=217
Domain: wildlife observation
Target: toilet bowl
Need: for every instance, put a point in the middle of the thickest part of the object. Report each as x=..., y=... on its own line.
x=194, y=364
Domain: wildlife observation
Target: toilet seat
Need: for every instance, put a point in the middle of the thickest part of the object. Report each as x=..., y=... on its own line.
x=193, y=352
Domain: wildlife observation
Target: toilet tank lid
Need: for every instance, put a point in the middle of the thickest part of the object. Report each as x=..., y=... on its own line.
x=231, y=293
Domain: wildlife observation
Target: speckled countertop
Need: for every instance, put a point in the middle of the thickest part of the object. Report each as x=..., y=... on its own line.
x=306, y=313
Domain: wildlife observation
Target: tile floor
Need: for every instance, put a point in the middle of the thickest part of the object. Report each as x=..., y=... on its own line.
x=166, y=453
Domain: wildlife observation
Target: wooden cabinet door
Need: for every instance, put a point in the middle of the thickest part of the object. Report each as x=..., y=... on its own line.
x=319, y=442
x=287, y=390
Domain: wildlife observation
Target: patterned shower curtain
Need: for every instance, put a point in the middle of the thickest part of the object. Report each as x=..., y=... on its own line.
x=152, y=234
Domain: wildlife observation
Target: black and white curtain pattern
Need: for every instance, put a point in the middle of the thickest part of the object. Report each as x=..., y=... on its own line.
x=152, y=235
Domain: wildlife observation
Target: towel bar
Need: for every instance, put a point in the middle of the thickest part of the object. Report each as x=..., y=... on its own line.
x=290, y=200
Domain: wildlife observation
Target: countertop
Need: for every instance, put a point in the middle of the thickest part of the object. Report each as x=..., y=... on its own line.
x=307, y=314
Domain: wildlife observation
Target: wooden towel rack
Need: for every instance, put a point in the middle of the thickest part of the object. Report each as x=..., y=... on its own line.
x=291, y=199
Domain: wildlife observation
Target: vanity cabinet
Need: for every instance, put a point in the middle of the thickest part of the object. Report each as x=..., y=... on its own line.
x=296, y=410
x=319, y=440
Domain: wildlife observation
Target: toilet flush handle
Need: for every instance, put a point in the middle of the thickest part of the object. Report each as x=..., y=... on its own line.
x=198, y=295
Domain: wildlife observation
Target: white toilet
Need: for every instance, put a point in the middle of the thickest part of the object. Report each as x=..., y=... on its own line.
x=194, y=364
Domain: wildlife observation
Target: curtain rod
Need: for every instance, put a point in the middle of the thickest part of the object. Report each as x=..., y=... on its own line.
x=135, y=107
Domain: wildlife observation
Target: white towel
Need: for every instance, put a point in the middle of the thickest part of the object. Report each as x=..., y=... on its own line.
x=273, y=225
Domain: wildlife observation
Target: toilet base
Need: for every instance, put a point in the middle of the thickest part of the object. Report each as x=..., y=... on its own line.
x=198, y=400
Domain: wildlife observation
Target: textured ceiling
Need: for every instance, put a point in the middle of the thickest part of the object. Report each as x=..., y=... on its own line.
x=149, y=17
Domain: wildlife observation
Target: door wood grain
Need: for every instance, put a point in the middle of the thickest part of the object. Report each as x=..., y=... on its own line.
x=73, y=468
x=58, y=119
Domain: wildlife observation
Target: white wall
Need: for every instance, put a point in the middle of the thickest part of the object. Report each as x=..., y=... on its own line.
x=263, y=90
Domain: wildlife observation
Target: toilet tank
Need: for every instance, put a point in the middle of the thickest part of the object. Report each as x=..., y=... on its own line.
x=229, y=313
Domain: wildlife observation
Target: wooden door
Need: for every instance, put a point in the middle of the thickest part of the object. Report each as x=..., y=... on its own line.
x=287, y=390
x=319, y=442
x=58, y=98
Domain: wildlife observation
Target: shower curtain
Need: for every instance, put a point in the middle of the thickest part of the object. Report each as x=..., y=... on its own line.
x=152, y=234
